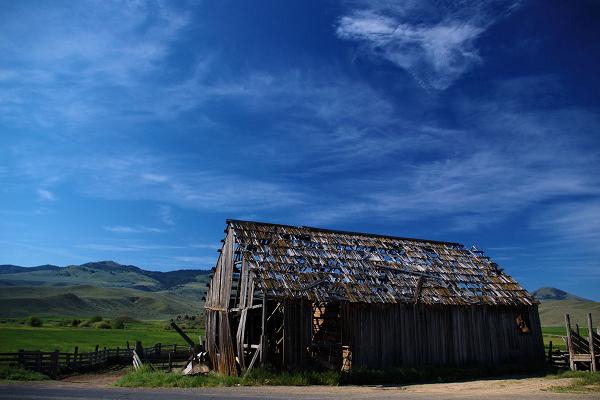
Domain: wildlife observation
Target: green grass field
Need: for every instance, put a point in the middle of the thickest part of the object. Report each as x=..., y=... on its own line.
x=15, y=336
x=554, y=333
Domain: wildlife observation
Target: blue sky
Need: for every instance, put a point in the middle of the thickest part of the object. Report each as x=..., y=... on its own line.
x=131, y=130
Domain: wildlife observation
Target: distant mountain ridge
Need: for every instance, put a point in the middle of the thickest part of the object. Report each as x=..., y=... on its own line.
x=100, y=288
x=552, y=293
x=555, y=303
x=100, y=273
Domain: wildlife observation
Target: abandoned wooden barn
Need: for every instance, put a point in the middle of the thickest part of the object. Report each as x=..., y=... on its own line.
x=299, y=296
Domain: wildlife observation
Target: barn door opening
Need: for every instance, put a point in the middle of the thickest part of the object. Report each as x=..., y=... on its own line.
x=326, y=343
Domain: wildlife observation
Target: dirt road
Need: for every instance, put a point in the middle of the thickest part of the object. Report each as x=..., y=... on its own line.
x=531, y=388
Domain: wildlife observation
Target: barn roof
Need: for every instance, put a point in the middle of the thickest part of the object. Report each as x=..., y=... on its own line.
x=293, y=262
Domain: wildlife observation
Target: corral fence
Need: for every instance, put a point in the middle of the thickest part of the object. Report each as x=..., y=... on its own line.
x=56, y=362
x=583, y=353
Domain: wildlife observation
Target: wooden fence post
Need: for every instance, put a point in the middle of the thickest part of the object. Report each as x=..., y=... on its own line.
x=550, y=361
x=139, y=349
x=170, y=361
x=569, y=342
x=38, y=361
x=22, y=358
x=591, y=342
x=54, y=363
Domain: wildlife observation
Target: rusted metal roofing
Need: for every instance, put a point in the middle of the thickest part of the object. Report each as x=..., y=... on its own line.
x=325, y=265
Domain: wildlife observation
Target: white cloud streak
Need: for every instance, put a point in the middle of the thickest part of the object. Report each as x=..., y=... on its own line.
x=165, y=214
x=46, y=195
x=132, y=229
x=435, y=47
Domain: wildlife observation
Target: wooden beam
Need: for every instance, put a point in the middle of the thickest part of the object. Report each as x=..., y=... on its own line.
x=183, y=335
x=591, y=340
x=569, y=342
x=263, y=341
x=253, y=360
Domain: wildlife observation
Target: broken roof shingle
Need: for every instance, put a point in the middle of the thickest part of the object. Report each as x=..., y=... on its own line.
x=326, y=265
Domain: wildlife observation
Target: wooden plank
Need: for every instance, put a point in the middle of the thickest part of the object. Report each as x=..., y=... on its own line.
x=263, y=338
x=591, y=343
x=569, y=342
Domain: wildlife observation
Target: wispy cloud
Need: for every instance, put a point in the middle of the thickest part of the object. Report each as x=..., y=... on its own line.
x=573, y=222
x=125, y=177
x=132, y=229
x=45, y=195
x=69, y=69
x=166, y=214
x=507, y=159
x=128, y=247
x=205, y=246
x=204, y=261
x=436, y=45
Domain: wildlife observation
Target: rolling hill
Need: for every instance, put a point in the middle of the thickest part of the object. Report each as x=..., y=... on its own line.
x=104, y=287
x=110, y=289
x=555, y=303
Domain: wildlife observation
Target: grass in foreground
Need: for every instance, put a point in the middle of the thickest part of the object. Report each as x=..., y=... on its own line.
x=19, y=374
x=146, y=377
x=584, y=382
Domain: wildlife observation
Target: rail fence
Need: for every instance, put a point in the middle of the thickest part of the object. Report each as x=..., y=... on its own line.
x=56, y=362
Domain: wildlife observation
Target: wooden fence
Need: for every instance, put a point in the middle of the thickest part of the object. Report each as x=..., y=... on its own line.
x=584, y=353
x=55, y=362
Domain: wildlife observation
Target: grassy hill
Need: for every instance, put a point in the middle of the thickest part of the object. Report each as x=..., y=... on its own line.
x=555, y=303
x=85, y=300
x=111, y=289
x=552, y=312
x=105, y=288
x=103, y=273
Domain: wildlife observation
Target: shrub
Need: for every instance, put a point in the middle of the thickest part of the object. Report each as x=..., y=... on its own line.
x=95, y=318
x=75, y=322
x=118, y=323
x=103, y=325
x=34, y=322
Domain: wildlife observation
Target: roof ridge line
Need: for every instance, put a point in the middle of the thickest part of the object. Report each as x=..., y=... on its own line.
x=312, y=228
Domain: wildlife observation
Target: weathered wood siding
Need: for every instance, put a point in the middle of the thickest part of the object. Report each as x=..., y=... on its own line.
x=219, y=339
x=407, y=335
x=297, y=319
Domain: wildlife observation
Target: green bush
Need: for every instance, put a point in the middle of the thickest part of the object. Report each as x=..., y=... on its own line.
x=75, y=322
x=95, y=318
x=34, y=322
x=103, y=325
x=118, y=323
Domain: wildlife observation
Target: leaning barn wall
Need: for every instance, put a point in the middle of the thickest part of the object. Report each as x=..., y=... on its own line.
x=219, y=338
